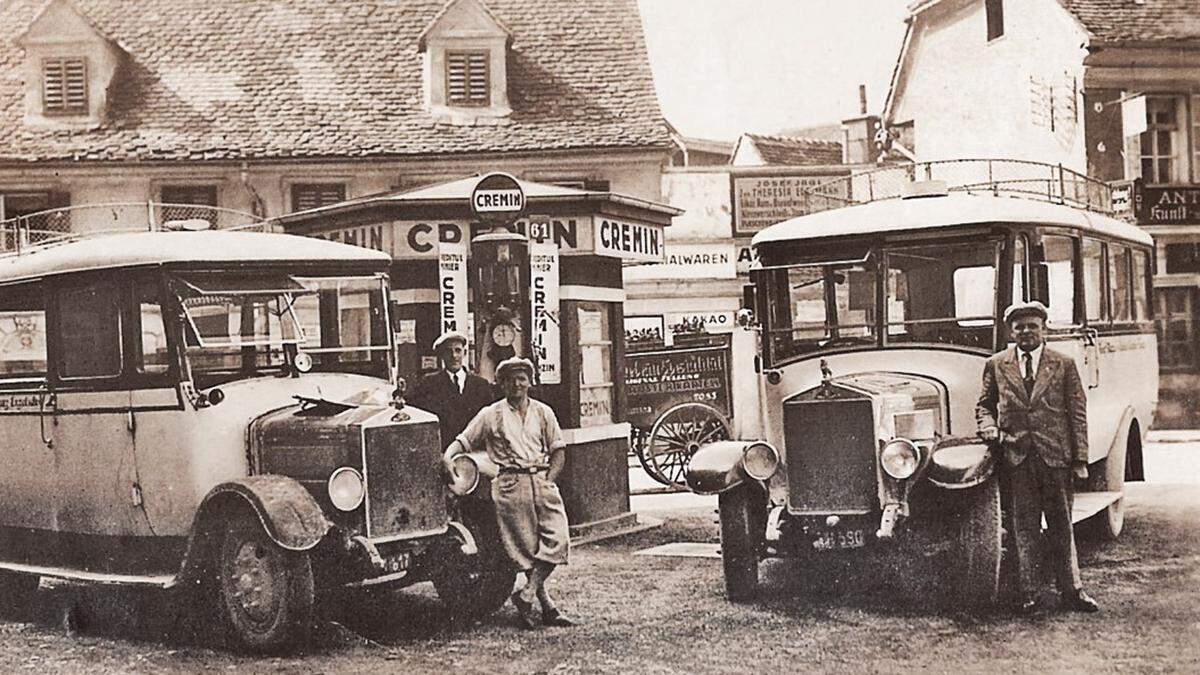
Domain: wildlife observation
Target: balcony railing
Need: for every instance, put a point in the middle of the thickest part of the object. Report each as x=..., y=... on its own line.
x=1018, y=178
x=73, y=222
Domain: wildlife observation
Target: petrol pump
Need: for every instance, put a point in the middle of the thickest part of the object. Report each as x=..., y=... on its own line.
x=499, y=271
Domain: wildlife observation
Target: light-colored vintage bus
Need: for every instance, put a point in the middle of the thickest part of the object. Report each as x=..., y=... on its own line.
x=217, y=414
x=874, y=321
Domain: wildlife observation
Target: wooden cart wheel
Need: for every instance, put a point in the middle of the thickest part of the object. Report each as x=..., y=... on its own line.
x=678, y=434
x=639, y=438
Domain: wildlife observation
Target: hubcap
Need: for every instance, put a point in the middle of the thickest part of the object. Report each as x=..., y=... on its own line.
x=252, y=577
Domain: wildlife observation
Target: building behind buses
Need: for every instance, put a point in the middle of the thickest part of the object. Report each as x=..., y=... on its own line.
x=874, y=321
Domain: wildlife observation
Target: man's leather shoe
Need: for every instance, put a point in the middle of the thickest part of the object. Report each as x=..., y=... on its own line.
x=1081, y=602
x=555, y=617
x=1028, y=606
x=526, y=618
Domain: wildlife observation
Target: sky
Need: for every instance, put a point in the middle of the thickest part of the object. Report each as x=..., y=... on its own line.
x=724, y=67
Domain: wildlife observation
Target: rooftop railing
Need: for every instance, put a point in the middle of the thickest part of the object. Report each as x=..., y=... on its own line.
x=54, y=226
x=1017, y=178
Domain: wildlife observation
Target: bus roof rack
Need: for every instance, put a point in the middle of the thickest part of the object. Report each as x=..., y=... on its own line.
x=35, y=231
x=1011, y=177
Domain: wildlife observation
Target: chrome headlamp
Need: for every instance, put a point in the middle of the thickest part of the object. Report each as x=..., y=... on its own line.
x=346, y=488
x=900, y=458
x=464, y=475
x=760, y=460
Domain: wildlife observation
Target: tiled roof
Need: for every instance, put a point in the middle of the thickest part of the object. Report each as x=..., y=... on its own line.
x=261, y=79
x=1131, y=21
x=796, y=151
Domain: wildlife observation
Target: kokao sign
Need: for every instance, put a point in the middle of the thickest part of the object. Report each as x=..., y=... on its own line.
x=497, y=198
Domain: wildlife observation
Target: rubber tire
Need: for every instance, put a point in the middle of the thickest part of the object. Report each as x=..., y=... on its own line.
x=17, y=592
x=978, y=548
x=290, y=575
x=473, y=587
x=742, y=529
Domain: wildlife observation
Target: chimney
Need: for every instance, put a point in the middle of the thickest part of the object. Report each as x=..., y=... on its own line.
x=859, y=133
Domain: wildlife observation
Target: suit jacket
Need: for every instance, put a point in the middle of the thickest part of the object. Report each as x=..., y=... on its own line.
x=437, y=394
x=1051, y=422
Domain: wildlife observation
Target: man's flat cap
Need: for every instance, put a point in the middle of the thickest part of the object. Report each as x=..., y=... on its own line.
x=512, y=365
x=448, y=337
x=1031, y=308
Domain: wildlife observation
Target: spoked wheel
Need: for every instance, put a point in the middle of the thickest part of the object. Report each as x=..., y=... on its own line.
x=265, y=593
x=677, y=435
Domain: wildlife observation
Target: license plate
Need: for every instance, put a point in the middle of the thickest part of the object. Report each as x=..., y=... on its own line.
x=834, y=539
x=396, y=563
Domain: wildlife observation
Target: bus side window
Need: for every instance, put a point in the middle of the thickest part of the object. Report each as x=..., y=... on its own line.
x=89, y=325
x=1092, y=256
x=1020, y=266
x=1118, y=282
x=22, y=332
x=1057, y=278
x=1141, y=272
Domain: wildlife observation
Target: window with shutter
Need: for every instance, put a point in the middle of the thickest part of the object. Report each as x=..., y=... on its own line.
x=174, y=197
x=64, y=86
x=312, y=195
x=467, y=79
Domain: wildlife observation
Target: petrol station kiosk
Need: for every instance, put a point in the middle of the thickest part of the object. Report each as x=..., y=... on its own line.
x=523, y=269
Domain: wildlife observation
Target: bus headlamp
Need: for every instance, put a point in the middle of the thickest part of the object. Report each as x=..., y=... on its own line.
x=900, y=458
x=760, y=461
x=464, y=475
x=346, y=488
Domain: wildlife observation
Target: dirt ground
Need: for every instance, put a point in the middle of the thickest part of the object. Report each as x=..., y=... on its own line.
x=666, y=615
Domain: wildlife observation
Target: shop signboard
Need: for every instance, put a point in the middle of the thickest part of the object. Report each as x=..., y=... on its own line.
x=628, y=240
x=452, y=289
x=760, y=201
x=655, y=381
x=1166, y=205
x=543, y=301
x=497, y=198
x=689, y=261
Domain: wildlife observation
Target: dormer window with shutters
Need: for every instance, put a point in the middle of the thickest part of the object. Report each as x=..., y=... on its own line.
x=64, y=86
x=69, y=65
x=465, y=52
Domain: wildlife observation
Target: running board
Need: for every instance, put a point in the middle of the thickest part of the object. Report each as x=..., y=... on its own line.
x=69, y=574
x=1088, y=504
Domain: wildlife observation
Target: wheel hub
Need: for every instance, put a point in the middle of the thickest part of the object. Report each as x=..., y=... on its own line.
x=251, y=577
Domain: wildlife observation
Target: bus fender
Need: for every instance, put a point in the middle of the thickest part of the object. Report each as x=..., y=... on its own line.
x=960, y=463
x=1122, y=435
x=716, y=467
x=288, y=513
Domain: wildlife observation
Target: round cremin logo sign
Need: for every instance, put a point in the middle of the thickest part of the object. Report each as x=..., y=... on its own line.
x=497, y=197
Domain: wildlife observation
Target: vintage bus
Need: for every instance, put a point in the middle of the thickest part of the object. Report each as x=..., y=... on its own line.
x=216, y=413
x=874, y=321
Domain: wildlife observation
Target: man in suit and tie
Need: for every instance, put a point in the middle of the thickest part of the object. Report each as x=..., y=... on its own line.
x=1034, y=407
x=452, y=393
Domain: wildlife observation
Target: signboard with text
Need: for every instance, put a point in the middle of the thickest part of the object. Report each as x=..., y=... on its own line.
x=543, y=301
x=761, y=201
x=1166, y=205
x=452, y=289
x=690, y=261
x=656, y=381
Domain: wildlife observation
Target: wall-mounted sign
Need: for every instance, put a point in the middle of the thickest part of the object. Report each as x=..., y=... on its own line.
x=645, y=332
x=497, y=197
x=690, y=261
x=543, y=301
x=1122, y=197
x=452, y=289
x=761, y=201
x=628, y=240
x=745, y=256
x=656, y=381
x=696, y=323
x=1166, y=205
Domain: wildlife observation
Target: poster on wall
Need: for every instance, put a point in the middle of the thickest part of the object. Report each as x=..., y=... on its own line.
x=543, y=300
x=645, y=332
x=452, y=289
x=761, y=201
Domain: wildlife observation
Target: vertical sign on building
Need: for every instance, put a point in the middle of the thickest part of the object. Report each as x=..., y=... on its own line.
x=452, y=288
x=543, y=301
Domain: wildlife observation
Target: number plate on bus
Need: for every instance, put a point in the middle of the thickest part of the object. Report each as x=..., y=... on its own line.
x=834, y=539
x=396, y=563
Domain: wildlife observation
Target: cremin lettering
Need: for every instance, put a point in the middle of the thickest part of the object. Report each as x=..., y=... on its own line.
x=368, y=236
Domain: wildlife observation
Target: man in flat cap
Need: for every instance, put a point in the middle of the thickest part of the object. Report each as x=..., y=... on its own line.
x=452, y=393
x=522, y=436
x=1034, y=407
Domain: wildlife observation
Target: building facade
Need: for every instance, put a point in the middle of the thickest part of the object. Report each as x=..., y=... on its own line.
x=1103, y=87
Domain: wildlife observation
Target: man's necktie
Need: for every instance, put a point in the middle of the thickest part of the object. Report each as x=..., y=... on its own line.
x=1028, y=373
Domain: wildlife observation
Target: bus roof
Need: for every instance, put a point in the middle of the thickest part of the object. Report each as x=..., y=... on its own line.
x=957, y=209
x=185, y=249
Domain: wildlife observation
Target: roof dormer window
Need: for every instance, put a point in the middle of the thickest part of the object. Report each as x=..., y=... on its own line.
x=467, y=78
x=64, y=86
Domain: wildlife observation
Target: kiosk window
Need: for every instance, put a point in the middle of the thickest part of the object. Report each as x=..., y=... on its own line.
x=1141, y=302
x=1060, y=278
x=1118, y=281
x=22, y=332
x=1093, y=282
x=595, y=344
x=89, y=320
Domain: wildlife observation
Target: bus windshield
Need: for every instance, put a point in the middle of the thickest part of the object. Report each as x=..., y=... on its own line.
x=942, y=294
x=241, y=325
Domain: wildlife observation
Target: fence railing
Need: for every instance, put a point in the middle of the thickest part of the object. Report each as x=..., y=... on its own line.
x=1020, y=178
x=72, y=222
